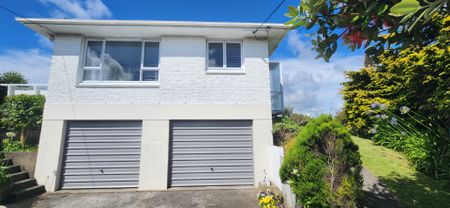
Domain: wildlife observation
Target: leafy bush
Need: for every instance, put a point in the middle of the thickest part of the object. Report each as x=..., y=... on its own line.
x=284, y=130
x=323, y=167
x=11, y=144
x=425, y=142
x=416, y=77
x=21, y=112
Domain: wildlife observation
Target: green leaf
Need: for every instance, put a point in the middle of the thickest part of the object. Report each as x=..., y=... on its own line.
x=405, y=7
x=292, y=21
x=382, y=9
x=356, y=18
x=298, y=24
x=293, y=11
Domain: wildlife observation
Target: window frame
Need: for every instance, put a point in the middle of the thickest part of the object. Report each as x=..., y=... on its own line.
x=224, y=54
x=100, y=68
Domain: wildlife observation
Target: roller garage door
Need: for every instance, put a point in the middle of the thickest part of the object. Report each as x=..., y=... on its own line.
x=101, y=154
x=211, y=153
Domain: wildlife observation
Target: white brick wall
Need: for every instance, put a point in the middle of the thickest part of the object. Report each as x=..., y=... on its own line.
x=183, y=77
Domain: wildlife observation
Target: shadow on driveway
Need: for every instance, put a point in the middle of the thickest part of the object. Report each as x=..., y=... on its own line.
x=211, y=198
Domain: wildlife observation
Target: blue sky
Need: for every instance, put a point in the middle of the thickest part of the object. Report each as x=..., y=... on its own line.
x=311, y=86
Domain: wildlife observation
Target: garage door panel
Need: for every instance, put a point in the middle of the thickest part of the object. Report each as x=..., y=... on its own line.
x=99, y=151
x=101, y=154
x=211, y=153
x=105, y=145
x=200, y=157
x=223, y=182
x=84, y=171
x=217, y=169
x=187, y=151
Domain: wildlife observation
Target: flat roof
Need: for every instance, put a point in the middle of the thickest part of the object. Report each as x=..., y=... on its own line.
x=49, y=27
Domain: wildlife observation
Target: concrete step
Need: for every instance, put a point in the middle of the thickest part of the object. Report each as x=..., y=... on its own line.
x=18, y=176
x=13, y=169
x=26, y=193
x=23, y=184
x=6, y=162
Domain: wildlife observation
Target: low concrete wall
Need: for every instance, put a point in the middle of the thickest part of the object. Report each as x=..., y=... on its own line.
x=277, y=155
x=26, y=159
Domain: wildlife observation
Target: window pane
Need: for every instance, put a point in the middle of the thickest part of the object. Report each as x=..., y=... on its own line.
x=150, y=76
x=233, y=55
x=91, y=75
x=122, y=61
x=93, y=53
x=151, y=54
x=215, y=54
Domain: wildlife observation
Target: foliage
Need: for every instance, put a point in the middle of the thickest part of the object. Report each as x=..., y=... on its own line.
x=3, y=175
x=11, y=144
x=21, y=112
x=298, y=118
x=410, y=187
x=10, y=77
x=380, y=24
x=426, y=143
x=284, y=130
x=323, y=168
x=416, y=77
x=288, y=126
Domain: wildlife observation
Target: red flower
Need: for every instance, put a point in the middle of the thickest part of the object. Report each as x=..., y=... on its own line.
x=355, y=37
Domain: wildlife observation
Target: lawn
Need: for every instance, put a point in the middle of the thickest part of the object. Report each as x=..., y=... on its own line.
x=410, y=187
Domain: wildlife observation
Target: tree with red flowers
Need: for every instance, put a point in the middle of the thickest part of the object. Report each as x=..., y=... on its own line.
x=375, y=25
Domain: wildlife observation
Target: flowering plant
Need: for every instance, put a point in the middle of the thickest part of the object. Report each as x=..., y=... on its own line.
x=425, y=142
x=270, y=197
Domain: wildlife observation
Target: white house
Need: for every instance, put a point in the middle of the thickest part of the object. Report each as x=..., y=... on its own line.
x=157, y=104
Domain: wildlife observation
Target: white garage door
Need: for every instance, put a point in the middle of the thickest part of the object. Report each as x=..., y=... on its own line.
x=101, y=154
x=211, y=153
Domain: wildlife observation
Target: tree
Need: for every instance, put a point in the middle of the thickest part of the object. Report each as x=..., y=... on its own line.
x=415, y=77
x=372, y=24
x=22, y=112
x=12, y=77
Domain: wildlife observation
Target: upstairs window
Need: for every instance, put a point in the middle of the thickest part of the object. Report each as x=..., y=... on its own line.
x=224, y=54
x=121, y=61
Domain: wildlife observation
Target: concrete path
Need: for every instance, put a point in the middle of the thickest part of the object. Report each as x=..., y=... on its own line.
x=213, y=198
x=375, y=193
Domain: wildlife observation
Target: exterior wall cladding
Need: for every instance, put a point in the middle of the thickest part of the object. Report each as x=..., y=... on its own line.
x=186, y=91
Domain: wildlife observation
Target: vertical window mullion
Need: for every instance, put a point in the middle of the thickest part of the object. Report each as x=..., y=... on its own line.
x=102, y=59
x=142, y=61
x=224, y=55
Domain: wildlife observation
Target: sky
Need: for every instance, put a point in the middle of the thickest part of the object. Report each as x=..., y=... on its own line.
x=311, y=86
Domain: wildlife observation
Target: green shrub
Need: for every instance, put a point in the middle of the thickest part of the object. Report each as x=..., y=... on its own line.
x=425, y=142
x=284, y=130
x=323, y=167
x=21, y=112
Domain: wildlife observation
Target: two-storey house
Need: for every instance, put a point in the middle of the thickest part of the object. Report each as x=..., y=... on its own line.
x=157, y=104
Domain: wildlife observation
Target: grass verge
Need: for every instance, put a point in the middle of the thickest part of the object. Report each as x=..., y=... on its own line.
x=412, y=188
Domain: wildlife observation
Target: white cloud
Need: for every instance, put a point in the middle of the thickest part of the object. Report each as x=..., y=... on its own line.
x=312, y=85
x=32, y=63
x=44, y=42
x=84, y=9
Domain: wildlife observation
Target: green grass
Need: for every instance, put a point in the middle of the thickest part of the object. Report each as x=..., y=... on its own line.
x=412, y=189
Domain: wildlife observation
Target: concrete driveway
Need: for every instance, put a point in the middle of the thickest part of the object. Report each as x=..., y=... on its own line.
x=211, y=198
